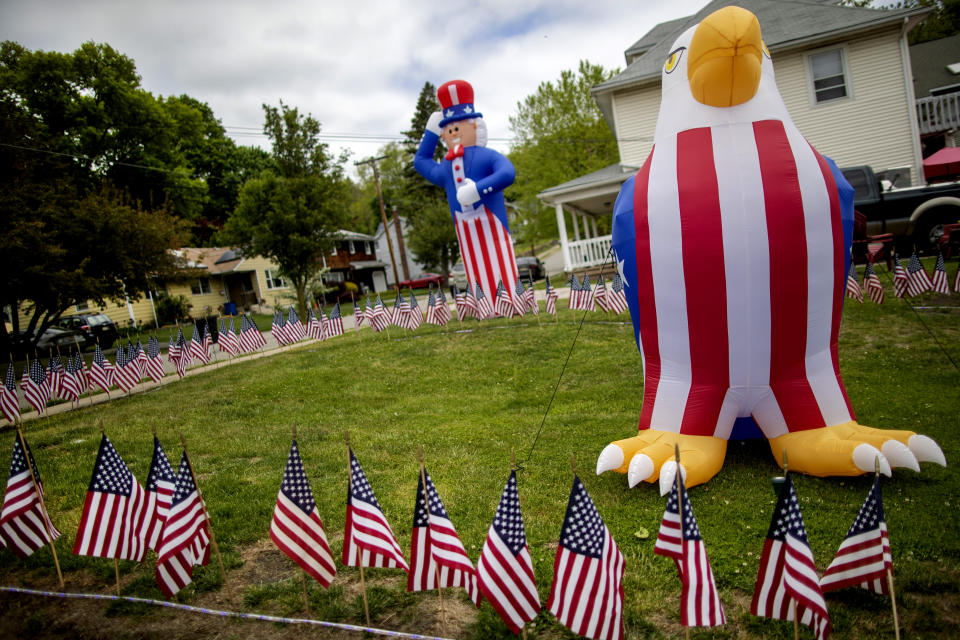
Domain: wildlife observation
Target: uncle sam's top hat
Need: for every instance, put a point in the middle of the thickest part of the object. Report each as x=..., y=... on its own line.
x=456, y=101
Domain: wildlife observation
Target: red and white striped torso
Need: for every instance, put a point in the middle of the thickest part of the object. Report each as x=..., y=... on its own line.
x=740, y=274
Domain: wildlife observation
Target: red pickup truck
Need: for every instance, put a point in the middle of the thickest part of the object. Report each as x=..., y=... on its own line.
x=423, y=281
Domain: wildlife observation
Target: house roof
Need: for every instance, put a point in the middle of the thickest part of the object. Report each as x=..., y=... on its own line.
x=786, y=24
x=354, y=235
x=612, y=173
x=929, y=61
x=214, y=260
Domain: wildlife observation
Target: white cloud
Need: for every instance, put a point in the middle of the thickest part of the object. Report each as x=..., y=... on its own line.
x=357, y=66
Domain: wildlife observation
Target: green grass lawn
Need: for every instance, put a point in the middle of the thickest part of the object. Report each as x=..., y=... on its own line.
x=470, y=399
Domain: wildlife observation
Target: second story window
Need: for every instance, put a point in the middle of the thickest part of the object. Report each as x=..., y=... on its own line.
x=827, y=73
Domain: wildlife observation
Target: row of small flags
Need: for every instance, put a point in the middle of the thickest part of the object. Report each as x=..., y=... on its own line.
x=41, y=384
x=122, y=519
x=910, y=281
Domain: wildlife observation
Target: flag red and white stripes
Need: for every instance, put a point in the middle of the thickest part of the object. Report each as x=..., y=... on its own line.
x=853, y=285
x=184, y=540
x=296, y=527
x=435, y=548
x=899, y=277
x=368, y=539
x=681, y=540
x=864, y=556
x=113, y=523
x=9, y=401
x=24, y=526
x=505, y=568
x=940, y=284
x=871, y=283
x=551, y=298
x=917, y=279
x=160, y=487
x=617, y=300
x=36, y=391
x=787, y=582
x=587, y=591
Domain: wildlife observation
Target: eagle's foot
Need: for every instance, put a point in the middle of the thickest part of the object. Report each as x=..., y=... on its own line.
x=851, y=449
x=649, y=456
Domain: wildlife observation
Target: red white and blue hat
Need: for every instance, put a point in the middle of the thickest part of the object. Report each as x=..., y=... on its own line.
x=456, y=101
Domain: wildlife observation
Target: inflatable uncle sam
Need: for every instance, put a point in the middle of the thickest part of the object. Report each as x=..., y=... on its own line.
x=730, y=240
x=474, y=178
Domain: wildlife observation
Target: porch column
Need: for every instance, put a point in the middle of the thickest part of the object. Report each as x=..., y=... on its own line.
x=576, y=226
x=593, y=223
x=586, y=227
x=564, y=243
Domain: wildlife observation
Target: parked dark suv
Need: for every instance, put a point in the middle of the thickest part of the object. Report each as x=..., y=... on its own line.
x=530, y=267
x=96, y=327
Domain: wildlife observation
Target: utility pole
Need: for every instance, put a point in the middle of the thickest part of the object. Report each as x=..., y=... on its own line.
x=383, y=215
x=403, y=251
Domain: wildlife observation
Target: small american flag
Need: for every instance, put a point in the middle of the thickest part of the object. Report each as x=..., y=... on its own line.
x=853, y=286
x=55, y=374
x=379, y=319
x=279, y=328
x=37, y=391
x=460, y=302
x=443, y=308
x=69, y=388
x=871, y=283
x=587, y=591
x=358, y=316
x=9, y=401
x=335, y=322
x=588, y=303
x=296, y=527
x=505, y=568
x=530, y=298
x=699, y=602
x=228, y=337
x=125, y=373
x=956, y=281
x=24, y=526
x=182, y=360
x=154, y=368
x=917, y=279
x=551, y=298
x=161, y=484
x=940, y=284
x=173, y=347
x=484, y=310
x=415, y=318
x=576, y=296
x=140, y=357
x=431, y=315
x=368, y=539
x=401, y=312
x=80, y=373
x=314, y=328
x=184, y=540
x=864, y=556
x=787, y=572
x=198, y=348
x=899, y=277
x=618, y=298
x=101, y=371
x=503, y=305
x=600, y=295
x=294, y=326
x=250, y=338
x=519, y=298
x=113, y=523
x=470, y=302
x=435, y=547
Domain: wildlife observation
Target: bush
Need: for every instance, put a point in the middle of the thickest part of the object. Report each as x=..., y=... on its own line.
x=171, y=308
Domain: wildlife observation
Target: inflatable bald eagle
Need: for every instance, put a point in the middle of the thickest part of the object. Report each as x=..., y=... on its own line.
x=732, y=241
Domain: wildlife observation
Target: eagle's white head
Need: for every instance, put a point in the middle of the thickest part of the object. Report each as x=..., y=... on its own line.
x=718, y=72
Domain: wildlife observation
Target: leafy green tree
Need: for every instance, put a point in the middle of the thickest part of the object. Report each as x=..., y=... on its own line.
x=293, y=216
x=560, y=134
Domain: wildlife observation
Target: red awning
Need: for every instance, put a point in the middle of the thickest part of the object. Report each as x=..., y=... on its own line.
x=943, y=164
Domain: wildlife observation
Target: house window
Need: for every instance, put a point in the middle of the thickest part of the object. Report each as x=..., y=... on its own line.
x=82, y=306
x=333, y=251
x=351, y=247
x=334, y=276
x=827, y=72
x=274, y=281
x=200, y=287
x=366, y=248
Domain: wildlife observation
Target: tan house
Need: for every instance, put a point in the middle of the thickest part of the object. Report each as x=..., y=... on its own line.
x=844, y=74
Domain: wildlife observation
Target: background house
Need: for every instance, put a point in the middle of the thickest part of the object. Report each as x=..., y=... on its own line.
x=936, y=83
x=844, y=74
x=407, y=266
x=354, y=259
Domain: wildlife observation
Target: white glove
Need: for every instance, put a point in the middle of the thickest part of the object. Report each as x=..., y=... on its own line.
x=467, y=193
x=433, y=123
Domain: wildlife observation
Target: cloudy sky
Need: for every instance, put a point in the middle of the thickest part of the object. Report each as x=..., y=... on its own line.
x=357, y=65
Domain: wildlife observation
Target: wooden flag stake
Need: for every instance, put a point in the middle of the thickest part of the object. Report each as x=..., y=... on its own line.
x=678, y=480
x=116, y=563
x=436, y=566
x=43, y=506
x=356, y=325
x=893, y=597
x=793, y=603
x=203, y=505
x=363, y=581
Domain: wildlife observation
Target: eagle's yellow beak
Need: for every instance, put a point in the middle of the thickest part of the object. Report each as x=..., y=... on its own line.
x=725, y=57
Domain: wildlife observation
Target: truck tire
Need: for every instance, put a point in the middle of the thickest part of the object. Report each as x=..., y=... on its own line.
x=929, y=228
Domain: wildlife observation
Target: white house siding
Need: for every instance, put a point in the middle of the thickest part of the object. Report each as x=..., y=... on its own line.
x=636, y=116
x=873, y=125
x=870, y=127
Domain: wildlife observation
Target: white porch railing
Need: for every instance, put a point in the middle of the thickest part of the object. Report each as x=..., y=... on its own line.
x=939, y=113
x=592, y=252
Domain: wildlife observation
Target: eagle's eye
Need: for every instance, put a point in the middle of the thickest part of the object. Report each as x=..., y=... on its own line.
x=673, y=59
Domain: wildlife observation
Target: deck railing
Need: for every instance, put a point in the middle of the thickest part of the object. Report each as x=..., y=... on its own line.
x=591, y=252
x=939, y=113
